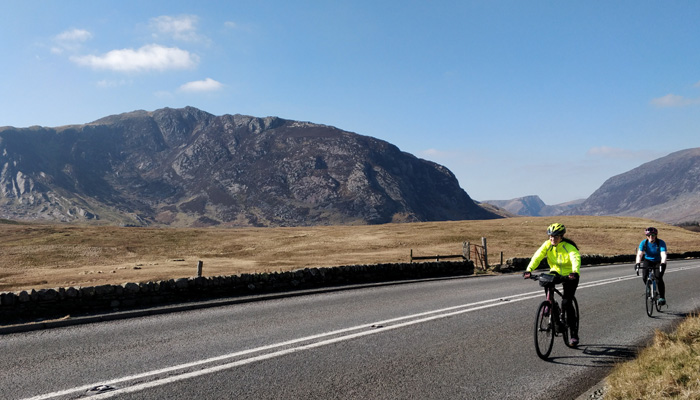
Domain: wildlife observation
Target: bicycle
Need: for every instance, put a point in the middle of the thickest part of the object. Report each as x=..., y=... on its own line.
x=651, y=294
x=551, y=319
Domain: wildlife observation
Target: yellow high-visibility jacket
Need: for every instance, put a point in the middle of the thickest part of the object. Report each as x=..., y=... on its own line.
x=563, y=258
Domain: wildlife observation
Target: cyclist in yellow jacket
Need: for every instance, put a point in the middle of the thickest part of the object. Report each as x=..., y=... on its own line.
x=564, y=259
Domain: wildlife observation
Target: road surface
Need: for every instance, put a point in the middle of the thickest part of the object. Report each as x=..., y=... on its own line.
x=458, y=338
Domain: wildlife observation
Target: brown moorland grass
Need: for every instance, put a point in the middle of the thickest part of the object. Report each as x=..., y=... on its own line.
x=36, y=256
x=668, y=369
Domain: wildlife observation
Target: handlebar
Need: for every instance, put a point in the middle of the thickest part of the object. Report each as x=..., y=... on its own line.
x=535, y=277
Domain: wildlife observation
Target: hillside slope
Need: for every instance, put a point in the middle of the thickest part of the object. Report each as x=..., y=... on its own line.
x=666, y=189
x=186, y=167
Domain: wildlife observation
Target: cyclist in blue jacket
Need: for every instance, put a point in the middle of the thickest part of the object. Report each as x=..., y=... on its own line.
x=652, y=255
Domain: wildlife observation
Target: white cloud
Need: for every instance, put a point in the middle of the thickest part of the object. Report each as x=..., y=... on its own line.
x=149, y=57
x=74, y=35
x=230, y=25
x=672, y=100
x=207, y=85
x=180, y=28
x=70, y=40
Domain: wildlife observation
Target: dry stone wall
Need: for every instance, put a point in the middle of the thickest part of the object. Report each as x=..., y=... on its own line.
x=59, y=302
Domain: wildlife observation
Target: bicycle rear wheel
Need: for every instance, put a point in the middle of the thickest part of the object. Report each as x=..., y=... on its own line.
x=649, y=298
x=565, y=334
x=544, y=330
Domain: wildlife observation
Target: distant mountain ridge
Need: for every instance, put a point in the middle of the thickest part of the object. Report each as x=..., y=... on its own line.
x=666, y=189
x=186, y=167
x=533, y=206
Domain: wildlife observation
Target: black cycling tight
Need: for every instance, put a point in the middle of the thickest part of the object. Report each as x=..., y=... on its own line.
x=658, y=273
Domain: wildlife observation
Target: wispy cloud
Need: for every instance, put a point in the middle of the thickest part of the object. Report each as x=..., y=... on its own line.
x=453, y=157
x=182, y=28
x=615, y=153
x=147, y=58
x=672, y=100
x=105, y=83
x=435, y=153
x=74, y=35
x=70, y=40
x=206, y=85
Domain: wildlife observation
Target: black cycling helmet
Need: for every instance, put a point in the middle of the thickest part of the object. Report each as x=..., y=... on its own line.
x=651, y=231
x=556, y=230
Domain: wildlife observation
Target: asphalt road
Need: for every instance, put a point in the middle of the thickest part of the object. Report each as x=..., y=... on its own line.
x=463, y=338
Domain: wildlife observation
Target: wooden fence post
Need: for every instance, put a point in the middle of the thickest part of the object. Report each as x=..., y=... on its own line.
x=199, y=268
x=483, y=244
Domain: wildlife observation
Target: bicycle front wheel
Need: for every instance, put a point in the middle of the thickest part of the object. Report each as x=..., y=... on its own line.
x=649, y=298
x=657, y=296
x=571, y=324
x=544, y=330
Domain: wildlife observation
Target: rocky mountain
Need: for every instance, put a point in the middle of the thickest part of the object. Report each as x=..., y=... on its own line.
x=533, y=206
x=186, y=167
x=666, y=189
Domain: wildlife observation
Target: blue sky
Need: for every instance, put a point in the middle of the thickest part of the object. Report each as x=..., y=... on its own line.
x=516, y=98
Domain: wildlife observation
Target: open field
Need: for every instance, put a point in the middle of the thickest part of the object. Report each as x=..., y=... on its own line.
x=48, y=256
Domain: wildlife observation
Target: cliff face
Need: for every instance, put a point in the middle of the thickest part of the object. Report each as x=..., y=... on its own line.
x=185, y=167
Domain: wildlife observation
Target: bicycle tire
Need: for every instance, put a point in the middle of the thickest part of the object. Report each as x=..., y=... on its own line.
x=544, y=330
x=657, y=296
x=577, y=316
x=649, y=298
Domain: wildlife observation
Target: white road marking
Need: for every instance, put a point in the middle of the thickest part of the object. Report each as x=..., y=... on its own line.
x=345, y=334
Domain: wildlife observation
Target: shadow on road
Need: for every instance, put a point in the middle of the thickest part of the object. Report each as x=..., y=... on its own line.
x=598, y=355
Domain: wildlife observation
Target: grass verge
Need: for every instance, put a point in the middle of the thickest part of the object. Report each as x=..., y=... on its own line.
x=668, y=369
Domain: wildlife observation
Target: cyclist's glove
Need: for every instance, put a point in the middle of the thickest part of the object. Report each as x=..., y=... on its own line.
x=663, y=267
x=636, y=268
x=526, y=275
x=573, y=276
